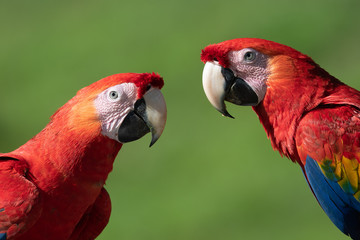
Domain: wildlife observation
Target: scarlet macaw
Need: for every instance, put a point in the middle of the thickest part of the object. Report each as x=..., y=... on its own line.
x=52, y=187
x=309, y=116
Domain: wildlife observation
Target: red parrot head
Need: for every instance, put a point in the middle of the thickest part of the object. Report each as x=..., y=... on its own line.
x=241, y=71
x=123, y=107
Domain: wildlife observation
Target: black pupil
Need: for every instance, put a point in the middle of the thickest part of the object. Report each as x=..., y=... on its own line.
x=248, y=56
x=113, y=94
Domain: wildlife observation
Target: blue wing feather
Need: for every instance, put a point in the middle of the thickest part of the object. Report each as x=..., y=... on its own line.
x=342, y=208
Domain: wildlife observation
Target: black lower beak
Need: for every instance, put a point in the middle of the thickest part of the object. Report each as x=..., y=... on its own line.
x=237, y=91
x=135, y=124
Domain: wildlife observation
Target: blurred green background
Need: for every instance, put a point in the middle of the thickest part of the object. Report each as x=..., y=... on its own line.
x=208, y=177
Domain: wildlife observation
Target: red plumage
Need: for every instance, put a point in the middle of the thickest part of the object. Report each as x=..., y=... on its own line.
x=296, y=85
x=52, y=186
x=221, y=50
x=141, y=80
x=330, y=130
x=309, y=116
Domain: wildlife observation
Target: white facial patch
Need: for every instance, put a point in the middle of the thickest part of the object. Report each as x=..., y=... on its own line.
x=113, y=105
x=253, y=71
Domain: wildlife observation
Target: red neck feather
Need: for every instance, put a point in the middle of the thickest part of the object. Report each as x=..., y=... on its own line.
x=70, y=145
x=295, y=86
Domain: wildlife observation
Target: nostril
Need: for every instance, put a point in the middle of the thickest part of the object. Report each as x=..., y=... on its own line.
x=215, y=59
x=148, y=87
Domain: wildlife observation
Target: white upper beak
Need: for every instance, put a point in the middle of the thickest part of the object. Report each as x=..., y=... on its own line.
x=156, y=113
x=214, y=86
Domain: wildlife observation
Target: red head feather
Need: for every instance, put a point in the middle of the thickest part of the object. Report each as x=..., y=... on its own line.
x=141, y=80
x=220, y=51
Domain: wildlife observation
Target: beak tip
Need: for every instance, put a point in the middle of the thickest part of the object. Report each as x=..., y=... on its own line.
x=154, y=138
x=228, y=115
x=225, y=113
x=155, y=135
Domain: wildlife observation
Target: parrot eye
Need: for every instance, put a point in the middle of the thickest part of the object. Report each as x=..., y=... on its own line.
x=249, y=56
x=113, y=95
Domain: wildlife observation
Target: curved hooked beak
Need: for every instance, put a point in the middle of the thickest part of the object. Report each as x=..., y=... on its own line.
x=220, y=84
x=149, y=115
